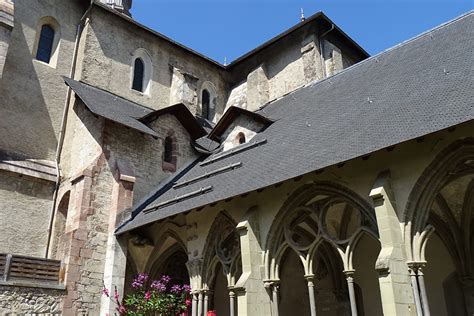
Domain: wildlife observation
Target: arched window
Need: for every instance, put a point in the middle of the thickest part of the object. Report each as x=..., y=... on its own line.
x=240, y=138
x=168, y=150
x=138, y=73
x=45, y=44
x=206, y=99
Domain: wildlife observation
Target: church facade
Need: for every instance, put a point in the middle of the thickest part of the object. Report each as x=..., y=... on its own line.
x=305, y=177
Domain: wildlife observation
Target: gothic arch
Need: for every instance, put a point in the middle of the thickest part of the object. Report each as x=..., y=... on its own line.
x=223, y=246
x=157, y=255
x=450, y=164
x=438, y=228
x=309, y=206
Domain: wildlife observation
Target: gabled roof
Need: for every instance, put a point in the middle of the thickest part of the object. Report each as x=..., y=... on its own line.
x=184, y=116
x=230, y=115
x=318, y=17
x=416, y=88
x=111, y=106
x=131, y=114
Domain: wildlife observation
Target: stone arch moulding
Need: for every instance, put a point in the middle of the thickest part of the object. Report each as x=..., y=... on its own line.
x=54, y=24
x=145, y=56
x=451, y=163
x=211, y=88
x=313, y=201
x=157, y=254
x=223, y=227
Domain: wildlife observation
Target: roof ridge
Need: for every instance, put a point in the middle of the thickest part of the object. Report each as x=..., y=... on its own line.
x=371, y=58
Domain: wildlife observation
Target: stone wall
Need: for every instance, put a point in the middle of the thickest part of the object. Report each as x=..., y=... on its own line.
x=108, y=56
x=29, y=86
x=25, y=205
x=28, y=301
x=145, y=154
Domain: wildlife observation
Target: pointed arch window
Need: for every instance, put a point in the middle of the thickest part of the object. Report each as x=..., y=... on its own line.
x=206, y=100
x=45, y=44
x=138, y=74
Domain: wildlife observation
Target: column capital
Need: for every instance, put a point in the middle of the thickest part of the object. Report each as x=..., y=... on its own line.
x=310, y=279
x=349, y=274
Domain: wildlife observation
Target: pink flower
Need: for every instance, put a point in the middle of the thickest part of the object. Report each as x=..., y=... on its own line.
x=122, y=310
x=188, y=302
x=105, y=291
x=147, y=295
x=116, y=295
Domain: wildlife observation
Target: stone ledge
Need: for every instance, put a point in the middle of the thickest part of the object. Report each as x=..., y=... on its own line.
x=36, y=285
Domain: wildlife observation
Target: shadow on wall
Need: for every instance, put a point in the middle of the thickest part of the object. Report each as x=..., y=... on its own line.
x=25, y=124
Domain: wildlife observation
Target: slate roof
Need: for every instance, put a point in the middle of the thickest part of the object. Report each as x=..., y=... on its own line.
x=131, y=114
x=111, y=106
x=416, y=88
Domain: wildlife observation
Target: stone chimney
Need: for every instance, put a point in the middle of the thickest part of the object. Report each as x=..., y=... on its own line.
x=122, y=6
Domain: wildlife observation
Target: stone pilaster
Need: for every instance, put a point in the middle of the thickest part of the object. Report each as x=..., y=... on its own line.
x=252, y=298
x=257, y=89
x=395, y=287
x=116, y=252
x=312, y=60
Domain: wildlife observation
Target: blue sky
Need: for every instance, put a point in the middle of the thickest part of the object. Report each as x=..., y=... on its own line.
x=229, y=28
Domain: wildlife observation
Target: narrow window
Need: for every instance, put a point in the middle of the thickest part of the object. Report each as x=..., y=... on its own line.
x=45, y=44
x=240, y=138
x=168, y=154
x=205, y=104
x=138, y=72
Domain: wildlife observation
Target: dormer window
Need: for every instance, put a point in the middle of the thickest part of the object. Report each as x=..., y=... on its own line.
x=138, y=72
x=240, y=138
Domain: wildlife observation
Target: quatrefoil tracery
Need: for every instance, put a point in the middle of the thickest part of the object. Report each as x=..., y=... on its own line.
x=333, y=218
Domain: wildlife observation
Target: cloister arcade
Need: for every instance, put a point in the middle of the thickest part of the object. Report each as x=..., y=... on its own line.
x=320, y=255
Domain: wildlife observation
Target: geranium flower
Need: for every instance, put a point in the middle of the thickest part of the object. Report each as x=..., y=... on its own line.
x=147, y=295
x=105, y=291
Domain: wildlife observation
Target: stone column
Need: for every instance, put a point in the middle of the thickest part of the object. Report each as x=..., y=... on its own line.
x=312, y=298
x=350, y=286
x=200, y=303
x=232, y=302
x=275, y=288
x=468, y=290
x=416, y=291
x=424, y=297
x=194, y=306
x=116, y=251
x=394, y=281
x=207, y=296
x=250, y=288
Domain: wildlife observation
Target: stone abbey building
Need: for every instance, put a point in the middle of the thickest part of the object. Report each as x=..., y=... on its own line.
x=304, y=178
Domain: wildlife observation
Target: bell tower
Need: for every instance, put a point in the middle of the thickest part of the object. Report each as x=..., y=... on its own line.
x=122, y=6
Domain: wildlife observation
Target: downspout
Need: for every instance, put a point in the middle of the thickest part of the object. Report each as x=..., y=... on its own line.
x=72, y=71
x=321, y=47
